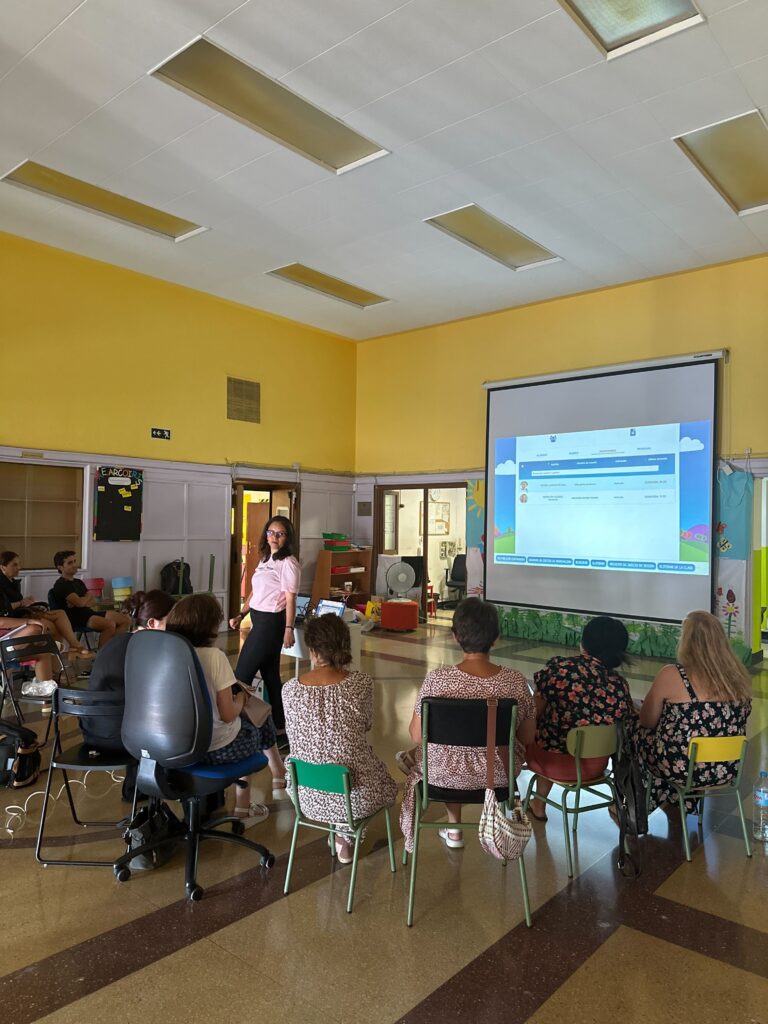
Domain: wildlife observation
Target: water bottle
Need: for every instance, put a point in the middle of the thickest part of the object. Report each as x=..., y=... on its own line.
x=760, y=812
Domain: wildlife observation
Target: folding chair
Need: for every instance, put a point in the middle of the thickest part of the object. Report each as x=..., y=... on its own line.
x=81, y=758
x=15, y=651
x=330, y=778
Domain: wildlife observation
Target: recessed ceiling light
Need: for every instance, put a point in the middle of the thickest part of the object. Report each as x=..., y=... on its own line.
x=49, y=182
x=733, y=156
x=492, y=237
x=620, y=27
x=215, y=77
x=297, y=273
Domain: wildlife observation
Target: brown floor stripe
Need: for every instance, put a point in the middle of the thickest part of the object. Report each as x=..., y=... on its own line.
x=38, y=989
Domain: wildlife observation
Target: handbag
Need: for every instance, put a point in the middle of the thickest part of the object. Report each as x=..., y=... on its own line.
x=155, y=821
x=503, y=838
x=256, y=710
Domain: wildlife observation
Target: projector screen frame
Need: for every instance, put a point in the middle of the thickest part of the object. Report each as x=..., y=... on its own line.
x=716, y=357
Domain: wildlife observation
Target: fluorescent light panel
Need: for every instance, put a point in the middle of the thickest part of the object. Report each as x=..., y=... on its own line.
x=733, y=157
x=297, y=273
x=48, y=182
x=492, y=237
x=227, y=84
x=619, y=28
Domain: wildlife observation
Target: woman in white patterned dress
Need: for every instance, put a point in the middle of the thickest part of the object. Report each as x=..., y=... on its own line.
x=476, y=630
x=328, y=712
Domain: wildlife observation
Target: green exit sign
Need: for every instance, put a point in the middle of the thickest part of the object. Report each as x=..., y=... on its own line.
x=160, y=433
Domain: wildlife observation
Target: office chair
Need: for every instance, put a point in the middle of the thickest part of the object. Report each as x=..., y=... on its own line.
x=456, y=577
x=167, y=726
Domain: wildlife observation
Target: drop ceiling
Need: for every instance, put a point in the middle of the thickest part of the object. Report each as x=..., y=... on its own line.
x=505, y=104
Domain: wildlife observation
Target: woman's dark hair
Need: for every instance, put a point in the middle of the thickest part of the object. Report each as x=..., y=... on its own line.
x=197, y=618
x=6, y=557
x=476, y=625
x=606, y=639
x=328, y=636
x=288, y=547
x=154, y=604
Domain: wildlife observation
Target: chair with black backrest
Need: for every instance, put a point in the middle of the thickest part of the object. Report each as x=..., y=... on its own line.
x=81, y=758
x=167, y=726
x=84, y=634
x=18, y=654
x=461, y=723
x=456, y=577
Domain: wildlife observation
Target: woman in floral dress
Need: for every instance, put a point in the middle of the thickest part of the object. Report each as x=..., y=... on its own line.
x=328, y=712
x=585, y=690
x=475, y=629
x=708, y=693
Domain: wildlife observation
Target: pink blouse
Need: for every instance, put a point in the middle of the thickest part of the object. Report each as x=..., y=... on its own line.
x=272, y=580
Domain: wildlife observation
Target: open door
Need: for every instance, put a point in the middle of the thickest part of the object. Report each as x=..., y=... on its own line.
x=253, y=504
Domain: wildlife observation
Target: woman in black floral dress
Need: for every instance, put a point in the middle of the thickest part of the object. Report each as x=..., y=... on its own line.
x=585, y=690
x=708, y=693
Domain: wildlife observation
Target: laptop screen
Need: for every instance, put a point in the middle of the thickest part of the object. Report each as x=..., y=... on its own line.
x=330, y=608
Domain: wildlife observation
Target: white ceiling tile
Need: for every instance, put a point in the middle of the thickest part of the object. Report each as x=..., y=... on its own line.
x=618, y=133
x=277, y=36
x=25, y=24
x=710, y=7
x=755, y=78
x=585, y=96
x=491, y=19
x=671, y=63
x=701, y=103
x=638, y=167
x=544, y=52
x=758, y=225
x=448, y=96
x=742, y=31
x=735, y=249
x=701, y=224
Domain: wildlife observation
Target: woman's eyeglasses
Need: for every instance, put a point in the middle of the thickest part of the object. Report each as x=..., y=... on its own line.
x=277, y=534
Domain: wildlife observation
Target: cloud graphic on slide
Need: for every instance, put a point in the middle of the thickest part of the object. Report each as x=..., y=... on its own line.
x=508, y=468
x=690, y=444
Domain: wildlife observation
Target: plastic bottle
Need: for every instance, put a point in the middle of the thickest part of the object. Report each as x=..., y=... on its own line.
x=760, y=812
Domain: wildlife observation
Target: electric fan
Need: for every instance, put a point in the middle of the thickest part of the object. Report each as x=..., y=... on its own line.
x=400, y=579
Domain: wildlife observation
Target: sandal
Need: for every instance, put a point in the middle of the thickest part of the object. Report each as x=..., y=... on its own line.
x=344, y=850
x=253, y=815
x=280, y=789
x=533, y=814
x=447, y=835
x=405, y=761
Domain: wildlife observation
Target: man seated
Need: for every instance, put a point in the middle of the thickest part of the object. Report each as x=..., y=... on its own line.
x=72, y=595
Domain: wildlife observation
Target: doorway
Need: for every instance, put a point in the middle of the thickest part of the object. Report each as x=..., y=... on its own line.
x=424, y=526
x=254, y=502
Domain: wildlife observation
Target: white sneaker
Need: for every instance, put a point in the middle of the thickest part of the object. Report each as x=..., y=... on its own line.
x=448, y=836
x=38, y=688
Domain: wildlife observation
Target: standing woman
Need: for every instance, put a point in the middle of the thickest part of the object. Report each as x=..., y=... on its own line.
x=272, y=604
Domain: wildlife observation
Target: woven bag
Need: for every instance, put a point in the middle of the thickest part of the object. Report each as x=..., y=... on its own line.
x=501, y=837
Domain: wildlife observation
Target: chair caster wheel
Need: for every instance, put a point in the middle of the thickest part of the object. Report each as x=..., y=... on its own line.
x=122, y=874
x=268, y=861
x=238, y=828
x=195, y=893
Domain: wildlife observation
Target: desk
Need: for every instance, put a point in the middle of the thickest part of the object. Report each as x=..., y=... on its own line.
x=300, y=653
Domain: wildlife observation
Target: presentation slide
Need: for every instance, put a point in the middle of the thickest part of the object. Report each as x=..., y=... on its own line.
x=599, y=490
x=623, y=498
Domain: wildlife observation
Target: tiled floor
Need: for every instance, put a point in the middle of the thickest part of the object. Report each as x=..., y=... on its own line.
x=681, y=942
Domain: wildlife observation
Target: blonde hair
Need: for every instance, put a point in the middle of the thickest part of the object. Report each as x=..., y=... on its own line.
x=704, y=651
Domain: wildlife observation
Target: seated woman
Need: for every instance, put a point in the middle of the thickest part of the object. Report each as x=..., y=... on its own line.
x=475, y=630
x=707, y=693
x=234, y=737
x=585, y=690
x=328, y=712
x=43, y=684
x=24, y=607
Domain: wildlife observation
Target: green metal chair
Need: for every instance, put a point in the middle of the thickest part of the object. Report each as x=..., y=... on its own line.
x=709, y=750
x=330, y=778
x=461, y=723
x=586, y=741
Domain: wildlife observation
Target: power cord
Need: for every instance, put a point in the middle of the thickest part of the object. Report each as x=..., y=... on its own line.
x=16, y=814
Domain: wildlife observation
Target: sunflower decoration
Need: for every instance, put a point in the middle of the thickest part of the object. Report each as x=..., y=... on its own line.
x=730, y=609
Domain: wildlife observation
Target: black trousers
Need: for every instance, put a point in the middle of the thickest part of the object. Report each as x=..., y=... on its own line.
x=261, y=653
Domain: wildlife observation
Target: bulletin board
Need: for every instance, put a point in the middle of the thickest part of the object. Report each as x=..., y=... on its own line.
x=438, y=517
x=117, y=503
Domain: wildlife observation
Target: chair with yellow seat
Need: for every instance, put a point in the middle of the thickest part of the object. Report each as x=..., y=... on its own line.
x=711, y=750
x=583, y=742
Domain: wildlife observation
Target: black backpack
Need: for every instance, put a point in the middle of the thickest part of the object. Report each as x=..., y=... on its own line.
x=173, y=581
x=19, y=755
x=631, y=807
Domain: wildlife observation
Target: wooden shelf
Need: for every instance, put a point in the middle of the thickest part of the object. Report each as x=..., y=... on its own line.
x=326, y=581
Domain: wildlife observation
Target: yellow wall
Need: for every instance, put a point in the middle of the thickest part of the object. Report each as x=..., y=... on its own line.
x=433, y=376
x=116, y=353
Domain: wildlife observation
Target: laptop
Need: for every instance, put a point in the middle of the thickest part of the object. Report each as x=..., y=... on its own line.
x=330, y=608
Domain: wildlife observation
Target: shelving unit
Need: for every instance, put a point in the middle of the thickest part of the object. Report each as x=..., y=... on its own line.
x=40, y=511
x=330, y=584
